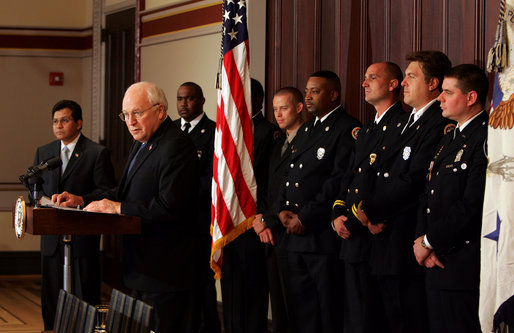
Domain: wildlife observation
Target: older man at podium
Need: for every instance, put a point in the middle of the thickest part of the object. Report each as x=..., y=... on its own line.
x=159, y=185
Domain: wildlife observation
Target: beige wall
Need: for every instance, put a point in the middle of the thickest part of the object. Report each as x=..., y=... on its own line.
x=27, y=100
x=193, y=59
x=47, y=13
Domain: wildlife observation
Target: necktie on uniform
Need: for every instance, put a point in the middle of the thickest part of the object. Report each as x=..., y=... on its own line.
x=65, y=158
x=409, y=123
x=187, y=126
x=456, y=133
x=284, y=147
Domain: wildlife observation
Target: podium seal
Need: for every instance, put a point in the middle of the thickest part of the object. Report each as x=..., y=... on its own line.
x=20, y=218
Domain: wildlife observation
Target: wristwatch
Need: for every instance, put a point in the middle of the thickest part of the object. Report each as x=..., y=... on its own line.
x=263, y=222
x=424, y=244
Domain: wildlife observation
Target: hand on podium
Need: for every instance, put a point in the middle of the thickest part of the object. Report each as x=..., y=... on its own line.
x=66, y=199
x=104, y=206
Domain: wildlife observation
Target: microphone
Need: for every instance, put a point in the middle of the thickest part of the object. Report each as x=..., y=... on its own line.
x=36, y=170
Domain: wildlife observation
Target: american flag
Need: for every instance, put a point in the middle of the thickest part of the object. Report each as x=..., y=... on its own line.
x=233, y=185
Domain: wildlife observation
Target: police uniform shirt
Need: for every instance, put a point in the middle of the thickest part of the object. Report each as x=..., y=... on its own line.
x=193, y=122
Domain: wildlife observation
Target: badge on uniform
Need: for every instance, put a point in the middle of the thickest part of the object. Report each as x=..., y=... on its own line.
x=320, y=153
x=406, y=153
x=372, y=158
x=459, y=155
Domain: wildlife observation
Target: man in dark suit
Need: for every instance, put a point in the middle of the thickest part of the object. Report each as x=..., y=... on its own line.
x=244, y=285
x=194, y=121
x=86, y=168
x=159, y=185
x=382, y=90
x=450, y=213
x=287, y=107
x=391, y=202
x=313, y=179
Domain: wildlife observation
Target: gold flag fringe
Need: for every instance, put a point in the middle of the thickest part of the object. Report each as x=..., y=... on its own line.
x=497, y=58
x=220, y=244
x=503, y=115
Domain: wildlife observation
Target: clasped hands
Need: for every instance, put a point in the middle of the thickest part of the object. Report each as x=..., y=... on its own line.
x=425, y=257
x=66, y=199
x=262, y=230
x=343, y=232
x=291, y=222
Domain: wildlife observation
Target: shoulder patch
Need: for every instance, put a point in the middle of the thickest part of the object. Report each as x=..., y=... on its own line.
x=355, y=132
x=448, y=128
x=276, y=134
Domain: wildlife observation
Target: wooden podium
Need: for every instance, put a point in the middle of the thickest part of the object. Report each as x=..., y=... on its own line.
x=68, y=222
x=55, y=221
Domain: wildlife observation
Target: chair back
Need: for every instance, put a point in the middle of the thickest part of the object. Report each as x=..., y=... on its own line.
x=141, y=318
x=73, y=315
x=128, y=315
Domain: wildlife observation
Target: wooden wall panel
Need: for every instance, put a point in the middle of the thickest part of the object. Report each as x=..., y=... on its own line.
x=348, y=35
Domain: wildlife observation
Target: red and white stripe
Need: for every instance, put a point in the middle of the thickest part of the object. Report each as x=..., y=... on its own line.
x=234, y=190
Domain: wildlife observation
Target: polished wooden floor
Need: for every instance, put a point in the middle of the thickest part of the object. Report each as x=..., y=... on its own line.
x=20, y=304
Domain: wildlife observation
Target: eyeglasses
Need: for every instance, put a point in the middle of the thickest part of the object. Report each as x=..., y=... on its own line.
x=63, y=120
x=124, y=116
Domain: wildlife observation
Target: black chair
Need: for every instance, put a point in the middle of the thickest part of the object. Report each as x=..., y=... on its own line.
x=141, y=318
x=127, y=315
x=73, y=315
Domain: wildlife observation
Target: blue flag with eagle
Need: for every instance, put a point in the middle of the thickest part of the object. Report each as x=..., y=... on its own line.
x=497, y=245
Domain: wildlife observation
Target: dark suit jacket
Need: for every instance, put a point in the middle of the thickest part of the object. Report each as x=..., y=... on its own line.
x=398, y=179
x=89, y=171
x=313, y=180
x=202, y=136
x=450, y=213
x=264, y=134
x=161, y=188
x=374, y=140
x=277, y=168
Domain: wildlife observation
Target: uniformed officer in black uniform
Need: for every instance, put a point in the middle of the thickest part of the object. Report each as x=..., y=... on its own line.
x=382, y=90
x=318, y=162
x=391, y=204
x=450, y=214
x=287, y=108
x=194, y=121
